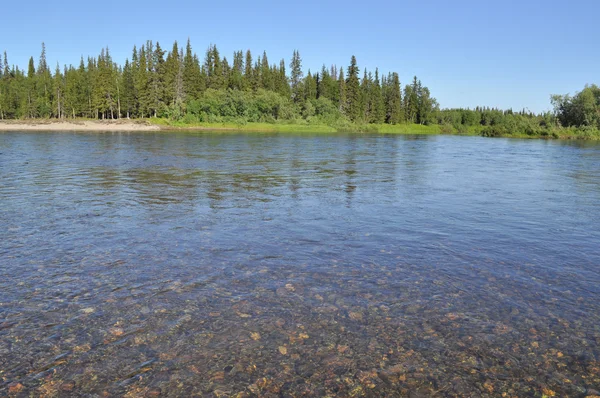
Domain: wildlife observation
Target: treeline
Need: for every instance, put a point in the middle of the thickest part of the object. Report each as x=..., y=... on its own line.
x=581, y=110
x=575, y=116
x=494, y=122
x=177, y=85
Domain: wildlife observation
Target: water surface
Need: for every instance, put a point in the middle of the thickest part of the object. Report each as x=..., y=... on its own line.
x=167, y=264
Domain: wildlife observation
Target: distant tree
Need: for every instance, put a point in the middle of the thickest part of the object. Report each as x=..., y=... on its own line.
x=266, y=77
x=127, y=90
x=353, y=94
x=411, y=101
x=142, y=85
x=59, y=94
x=248, y=72
x=343, y=102
x=378, y=110
x=296, y=76
x=193, y=79
x=282, y=85
x=236, y=77
x=158, y=76
x=310, y=87
x=173, y=78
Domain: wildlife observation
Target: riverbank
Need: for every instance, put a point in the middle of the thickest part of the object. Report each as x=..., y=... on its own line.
x=302, y=127
x=76, y=125
x=158, y=124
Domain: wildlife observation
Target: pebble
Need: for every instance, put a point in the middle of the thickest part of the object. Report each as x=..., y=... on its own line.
x=154, y=392
x=67, y=386
x=15, y=387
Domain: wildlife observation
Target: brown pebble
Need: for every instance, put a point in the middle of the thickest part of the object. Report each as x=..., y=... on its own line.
x=67, y=386
x=15, y=387
x=116, y=331
x=154, y=392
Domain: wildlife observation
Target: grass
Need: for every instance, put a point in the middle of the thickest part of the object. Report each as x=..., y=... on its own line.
x=300, y=127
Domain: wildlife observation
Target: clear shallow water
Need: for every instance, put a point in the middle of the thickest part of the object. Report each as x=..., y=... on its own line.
x=285, y=265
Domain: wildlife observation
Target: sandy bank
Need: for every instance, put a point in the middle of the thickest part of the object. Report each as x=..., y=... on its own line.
x=87, y=125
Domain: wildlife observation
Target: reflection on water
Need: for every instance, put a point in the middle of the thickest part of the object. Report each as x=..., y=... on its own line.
x=287, y=265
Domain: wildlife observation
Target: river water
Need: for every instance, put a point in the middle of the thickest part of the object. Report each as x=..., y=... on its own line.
x=207, y=264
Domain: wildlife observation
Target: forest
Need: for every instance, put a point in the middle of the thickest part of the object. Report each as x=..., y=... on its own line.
x=177, y=88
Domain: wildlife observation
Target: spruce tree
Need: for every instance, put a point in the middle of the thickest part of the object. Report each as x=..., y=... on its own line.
x=142, y=85
x=44, y=88
x=411, y=101
x=171, y=74
x=353, y=95
x=193, y=79
x=310, y=87
x=31, y=90
x=248, y=72
x=157, y=75
x=365, y=97
x=59, y=97
x=343, y=103
x=283, y=86
x=296, y=76
x=394, y=113
x=236, y=76
x=378, y=114
x=127, y=90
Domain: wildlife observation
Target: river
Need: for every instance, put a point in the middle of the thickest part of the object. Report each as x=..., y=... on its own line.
x=223, y=264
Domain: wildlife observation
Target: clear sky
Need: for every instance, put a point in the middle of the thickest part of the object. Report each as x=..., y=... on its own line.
x=468, y=52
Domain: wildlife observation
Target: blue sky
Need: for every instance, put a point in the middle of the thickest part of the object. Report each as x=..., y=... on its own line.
x=504, y=54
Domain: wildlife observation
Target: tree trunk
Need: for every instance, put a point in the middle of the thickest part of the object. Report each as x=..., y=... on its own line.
x=118, y=101
x=58, y=95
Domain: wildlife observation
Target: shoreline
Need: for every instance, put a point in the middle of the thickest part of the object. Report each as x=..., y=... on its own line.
x=163, y=125
x=76, y=125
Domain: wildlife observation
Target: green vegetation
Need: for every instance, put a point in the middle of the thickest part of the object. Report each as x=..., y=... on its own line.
x=174, y=88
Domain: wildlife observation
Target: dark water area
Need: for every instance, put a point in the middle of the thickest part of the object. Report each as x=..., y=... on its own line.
x=217, y=265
